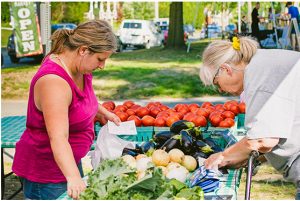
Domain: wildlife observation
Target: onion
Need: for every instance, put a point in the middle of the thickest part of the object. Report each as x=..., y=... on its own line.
x=140, y=156
x=177, y=173
x=189, y=162
x=129, y=160
x=176, y=155
x=141, y=164
x=173, y=165
x=160, y=158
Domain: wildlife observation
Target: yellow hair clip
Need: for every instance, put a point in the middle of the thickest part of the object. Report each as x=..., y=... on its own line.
x=236, y=43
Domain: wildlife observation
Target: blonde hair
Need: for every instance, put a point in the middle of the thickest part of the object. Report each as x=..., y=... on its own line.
x=97, y=35
x=220, y=52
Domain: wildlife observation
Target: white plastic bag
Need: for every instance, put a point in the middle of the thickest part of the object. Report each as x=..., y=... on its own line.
x=108, y=146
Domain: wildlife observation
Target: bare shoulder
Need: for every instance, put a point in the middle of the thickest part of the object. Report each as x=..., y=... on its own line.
x=51, y=90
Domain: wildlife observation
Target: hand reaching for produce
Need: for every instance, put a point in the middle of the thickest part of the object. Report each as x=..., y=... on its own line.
x=75, y=187
x=215, y=161
x=112, y=117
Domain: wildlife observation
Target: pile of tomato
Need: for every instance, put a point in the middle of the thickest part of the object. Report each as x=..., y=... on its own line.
x=160, y=115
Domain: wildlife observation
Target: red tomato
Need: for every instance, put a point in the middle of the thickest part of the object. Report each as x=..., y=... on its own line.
x=142, y=111
x=135, y=107
x=181, y=106
x=210, y=109
x=148, y=120
x=224, y=124
x=154, y=110
x=163, y=107
x=202, y=112
x=128, y=103
x=193, y=106
x=242, y=107
x=214, y=113
x=160, y=122
x=216, y=119
x=206, y=104
x=235, y=109
x=184, y=111
x=121, y=108
x=122, y=115
x=136, y=119
x=130, y=112
x=228, y=114
x=227, y=105
x=171, y=120
x=230, y=121
x=149, y=105
x=189, y=116
x=199, y=121
x=219, y=106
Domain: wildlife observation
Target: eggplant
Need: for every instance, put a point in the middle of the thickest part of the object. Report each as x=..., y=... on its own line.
x=177, y=126
x=200, y=154
x=173, y=142
x=147, y=146
x=195, y=132
x=186, y=142
x=131, y=152
x=162, y=137
x=203, y=147
x=213, y=145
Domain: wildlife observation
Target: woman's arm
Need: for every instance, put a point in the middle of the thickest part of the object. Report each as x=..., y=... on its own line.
x=239, y=152
x=53, y=96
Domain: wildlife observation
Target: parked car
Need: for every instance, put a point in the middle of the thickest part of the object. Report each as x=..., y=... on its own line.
x=185, y=35
x=140, y=33
x=55, y=27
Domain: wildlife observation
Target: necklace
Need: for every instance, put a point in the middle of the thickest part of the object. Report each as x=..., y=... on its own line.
x=63, y=63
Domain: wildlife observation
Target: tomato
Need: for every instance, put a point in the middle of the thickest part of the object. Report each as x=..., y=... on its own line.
x=224, y=124
x=183, y=111
x=122, y=115
x=228, y=114
x=230, y=121
x=189, y=116
x=215, y=113
x=160, y=122
x=199, y=121
x=142, y=111
x=149, y=105
x=206, y=104
x=216, y=119
x=135, y=107
x=235, y=109
x=193, y=106
x=163, y=107
x=154, y=110
x=136, y=119
x=148, y=120
x=121, y=108
x=234, y=102
x=110, y=104
x=202, y=112
x=130, y=112
x=128, y=103
x=171, y=120
x=242, y=107
x=210, y=109
x=181, y=106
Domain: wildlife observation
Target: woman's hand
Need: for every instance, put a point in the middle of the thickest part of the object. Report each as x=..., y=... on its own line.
x=75, y=187
x=112, y=117
x=215, y=161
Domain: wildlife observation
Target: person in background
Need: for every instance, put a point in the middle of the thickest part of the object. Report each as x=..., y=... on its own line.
x=61, y=108
x=255, y=20
x=270, y=79
x=293, y=14
x=244, y=25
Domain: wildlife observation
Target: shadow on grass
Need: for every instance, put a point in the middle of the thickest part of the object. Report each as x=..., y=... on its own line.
x=146, y=82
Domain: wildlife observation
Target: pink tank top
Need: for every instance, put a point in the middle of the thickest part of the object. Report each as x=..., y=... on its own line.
x=34, y=159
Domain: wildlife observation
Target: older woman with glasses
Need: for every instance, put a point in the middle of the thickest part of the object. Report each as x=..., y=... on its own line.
x=270, y=79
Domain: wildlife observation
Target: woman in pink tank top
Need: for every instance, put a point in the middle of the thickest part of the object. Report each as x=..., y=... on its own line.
x=61, y=108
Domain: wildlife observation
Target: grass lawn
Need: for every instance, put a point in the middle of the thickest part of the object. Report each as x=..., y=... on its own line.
x=4, y=37
x=139, y=74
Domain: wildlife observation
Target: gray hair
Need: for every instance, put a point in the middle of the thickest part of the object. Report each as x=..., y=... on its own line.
x=220, y=52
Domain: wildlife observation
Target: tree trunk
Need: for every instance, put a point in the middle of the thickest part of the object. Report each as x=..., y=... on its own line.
x=175, y=33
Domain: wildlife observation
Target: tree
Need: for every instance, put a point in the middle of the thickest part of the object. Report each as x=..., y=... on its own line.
x=175, y=34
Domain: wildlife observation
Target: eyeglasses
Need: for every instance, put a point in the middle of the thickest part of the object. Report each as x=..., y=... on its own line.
x=216, y=75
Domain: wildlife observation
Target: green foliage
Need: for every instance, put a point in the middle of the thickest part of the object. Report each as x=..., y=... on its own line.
x=138, y=10
x=72, y=12
x=4, y=37
x=164, y=9
x=5, y=14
